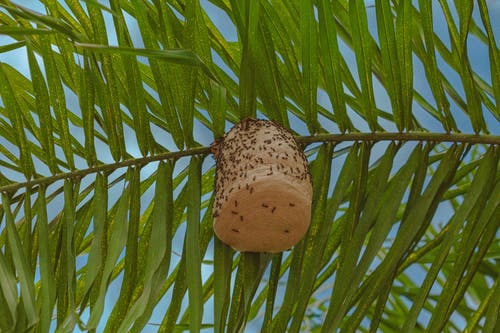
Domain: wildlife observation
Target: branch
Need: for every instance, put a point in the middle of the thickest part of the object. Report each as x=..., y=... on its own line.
x=403, y=137
x=372, y=137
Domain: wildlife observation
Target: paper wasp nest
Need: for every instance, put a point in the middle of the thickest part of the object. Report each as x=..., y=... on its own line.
x=263, y=189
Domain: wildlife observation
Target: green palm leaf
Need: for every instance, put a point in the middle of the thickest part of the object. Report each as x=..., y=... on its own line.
x=107, y=187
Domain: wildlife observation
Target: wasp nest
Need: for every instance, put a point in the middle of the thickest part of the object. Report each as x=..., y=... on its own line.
x=263, y=188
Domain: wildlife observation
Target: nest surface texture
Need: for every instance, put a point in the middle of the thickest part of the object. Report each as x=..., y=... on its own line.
x=263, y=190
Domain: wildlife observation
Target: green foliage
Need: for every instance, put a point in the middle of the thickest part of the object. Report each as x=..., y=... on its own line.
x=404, y=234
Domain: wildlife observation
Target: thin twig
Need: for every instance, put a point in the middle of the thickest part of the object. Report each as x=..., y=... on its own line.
x=372, y=137
x=402, y=137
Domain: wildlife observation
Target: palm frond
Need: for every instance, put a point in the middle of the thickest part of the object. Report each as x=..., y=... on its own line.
x=107, y=187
